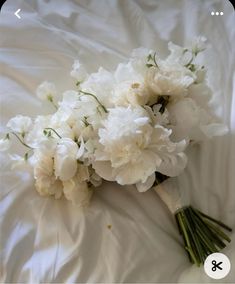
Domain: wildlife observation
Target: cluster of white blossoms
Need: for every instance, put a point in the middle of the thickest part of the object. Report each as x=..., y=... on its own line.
x=122, y=126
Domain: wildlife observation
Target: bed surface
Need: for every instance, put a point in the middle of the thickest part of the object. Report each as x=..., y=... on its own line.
x=124, y=236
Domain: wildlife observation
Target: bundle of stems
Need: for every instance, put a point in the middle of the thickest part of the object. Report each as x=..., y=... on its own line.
x=202, y=234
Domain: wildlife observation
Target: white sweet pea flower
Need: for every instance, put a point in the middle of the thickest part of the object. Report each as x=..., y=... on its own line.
x=70, y=99
x=127, y=72
x=5, y=144
x=47, y=145
x=77, y=192
x=21, y=163
x=138, y=60
x=157, y=117
x=132, y=149
x=77, y=116
x=20, y=124
x=94, y=179
x=76, y=188
x=178, y=54
x=182, y=55
x=200, y=75
x=65, y=159
x=45, y=181
x=198, y=44
x=54, y=189
x=36, y=135
x=46, y=91
x=101, y=85
x=79, y=72
x=43, y=167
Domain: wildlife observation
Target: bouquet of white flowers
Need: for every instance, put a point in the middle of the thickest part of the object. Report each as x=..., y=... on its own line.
x=131, y=126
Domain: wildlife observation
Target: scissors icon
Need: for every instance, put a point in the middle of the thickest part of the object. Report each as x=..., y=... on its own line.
x=216, y=265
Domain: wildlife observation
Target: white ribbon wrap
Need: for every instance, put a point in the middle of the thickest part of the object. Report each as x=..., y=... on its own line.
x=172, y=195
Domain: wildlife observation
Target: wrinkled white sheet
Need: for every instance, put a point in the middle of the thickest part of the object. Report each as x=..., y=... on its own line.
x=43, y=240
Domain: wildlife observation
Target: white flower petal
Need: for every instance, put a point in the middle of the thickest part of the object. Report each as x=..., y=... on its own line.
x=21, y=124
x=131, y=149
x=65, y=161
x=214, y=129
x=5, y=144
x=77, y=192
x=81, y=149
x=79, y=72
x=46, y=91
x=142, y=187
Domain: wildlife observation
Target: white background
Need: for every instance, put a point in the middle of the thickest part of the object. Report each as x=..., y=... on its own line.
x=52, y=241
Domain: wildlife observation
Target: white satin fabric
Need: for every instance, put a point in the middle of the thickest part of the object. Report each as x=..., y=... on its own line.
x=124, y=236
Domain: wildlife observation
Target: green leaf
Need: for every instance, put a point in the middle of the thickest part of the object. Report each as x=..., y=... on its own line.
x=149, y=57
x=149, y=65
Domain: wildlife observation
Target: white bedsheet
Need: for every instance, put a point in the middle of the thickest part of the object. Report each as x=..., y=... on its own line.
x=43, y=240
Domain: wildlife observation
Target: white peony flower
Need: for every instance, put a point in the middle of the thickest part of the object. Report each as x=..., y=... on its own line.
x=5, y=144
x=46, y=91
x=130, y=87
x=190, y=121
x=201, y=94
x=169, y=79
x=65, y=159
x=20, y=124
x=130, y=93
x=131, y=149
x=79, y=72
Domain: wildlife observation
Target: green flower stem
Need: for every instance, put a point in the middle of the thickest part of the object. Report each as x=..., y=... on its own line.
x=213, y=237
x=49, y=128
x=55, y=106
x=218, y=231
x=210, y=233
x=89, y=94
x=202, y=226
x=194, y=236
x=214, y=220
x=178, y=225
x=188, y=245
x=50, y=99
x=205, y=239
x=177, y=216
x=21, y=141
x=154, y=60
